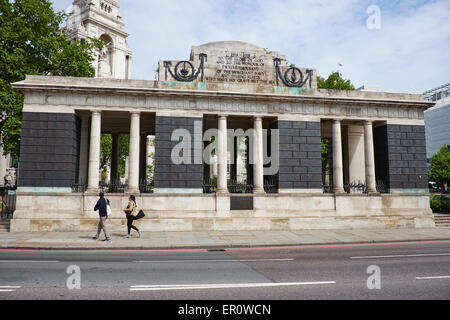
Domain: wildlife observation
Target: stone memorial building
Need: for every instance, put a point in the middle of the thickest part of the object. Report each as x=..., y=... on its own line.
x=375, y=174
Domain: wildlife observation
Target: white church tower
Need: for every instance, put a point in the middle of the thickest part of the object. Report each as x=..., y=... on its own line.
x=101, y=19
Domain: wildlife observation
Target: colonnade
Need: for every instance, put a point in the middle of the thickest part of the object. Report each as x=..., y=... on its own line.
x=257, y=159
x=338, y=173
x=258, y=154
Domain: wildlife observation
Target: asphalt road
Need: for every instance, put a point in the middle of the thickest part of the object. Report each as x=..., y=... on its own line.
x=418, y=270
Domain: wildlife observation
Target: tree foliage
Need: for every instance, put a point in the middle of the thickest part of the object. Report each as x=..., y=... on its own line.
x=124, y=151
x=106, y=153
x=335, y=82
x=440, y=167
x=32, y=43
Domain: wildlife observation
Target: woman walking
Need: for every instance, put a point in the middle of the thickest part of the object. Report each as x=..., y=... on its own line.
x=101, y=206
x=130, y=211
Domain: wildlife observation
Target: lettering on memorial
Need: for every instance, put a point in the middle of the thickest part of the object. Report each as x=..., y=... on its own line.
x=184, y=70
x=229, y=65
x=292, y=77
x=240, y=67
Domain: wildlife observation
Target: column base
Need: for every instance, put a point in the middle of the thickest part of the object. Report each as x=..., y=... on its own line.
x=339, y=191
x=222, y=191
x=132, y=191
x=92, y=190
x=259, y=191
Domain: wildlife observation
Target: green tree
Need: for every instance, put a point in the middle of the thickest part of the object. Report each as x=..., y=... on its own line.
x=32, y=43
x=151, y=167
x=335, y=82
x=440, y=167
x=325, y=161
x=105, y=154
x=124, y=151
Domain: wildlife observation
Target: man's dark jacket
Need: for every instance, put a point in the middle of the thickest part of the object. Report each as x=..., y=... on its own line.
x=101, y=207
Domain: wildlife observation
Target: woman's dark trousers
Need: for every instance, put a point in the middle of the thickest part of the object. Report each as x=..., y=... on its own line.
x=130, y=226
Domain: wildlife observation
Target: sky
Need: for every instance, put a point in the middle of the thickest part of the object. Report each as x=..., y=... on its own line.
x=400, y=46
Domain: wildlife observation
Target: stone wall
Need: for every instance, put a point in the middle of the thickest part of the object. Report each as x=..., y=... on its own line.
x=73, y=212
x=300, y=155
x=49, y=147
x=400, y=156
x=168, y=174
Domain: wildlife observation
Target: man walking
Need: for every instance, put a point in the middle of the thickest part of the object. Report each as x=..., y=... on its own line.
x=101, y=207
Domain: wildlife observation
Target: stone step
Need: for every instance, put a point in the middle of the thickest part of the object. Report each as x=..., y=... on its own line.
x=442, y=221
x=4, y=226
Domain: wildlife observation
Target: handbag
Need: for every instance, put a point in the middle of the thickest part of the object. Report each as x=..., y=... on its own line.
x=108, y=208
x=140, y=215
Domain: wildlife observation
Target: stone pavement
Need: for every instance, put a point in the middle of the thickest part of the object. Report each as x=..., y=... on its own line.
x=216, y=239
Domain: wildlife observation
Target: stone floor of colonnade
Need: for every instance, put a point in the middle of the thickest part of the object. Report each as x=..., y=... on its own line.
x=216, y=239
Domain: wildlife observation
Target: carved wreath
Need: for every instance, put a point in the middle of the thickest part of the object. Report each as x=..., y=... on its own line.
x=184, y=70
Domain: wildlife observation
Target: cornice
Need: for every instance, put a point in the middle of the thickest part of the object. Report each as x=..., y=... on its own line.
x=216, y=95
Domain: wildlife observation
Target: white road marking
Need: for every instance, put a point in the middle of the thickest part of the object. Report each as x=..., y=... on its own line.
x=208, y=260
x=224, y=286
x=28, y=261
x=9, y=288
x=404, y=256
x=431, y=278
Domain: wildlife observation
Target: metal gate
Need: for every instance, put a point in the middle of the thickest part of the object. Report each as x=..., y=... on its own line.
x=8, y=198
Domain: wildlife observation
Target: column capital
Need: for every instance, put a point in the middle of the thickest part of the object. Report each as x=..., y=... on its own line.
x=134, y=113
x=98, y=112
x=367, y=122
x=222, y=116
x=258, y=118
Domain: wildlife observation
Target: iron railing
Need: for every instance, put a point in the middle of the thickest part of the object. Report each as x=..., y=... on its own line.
x=8, y=202
x=355, y=187
x=113, y=187
x=209, y=186
x=239, y=187
x=146, y=187
x=271, y=184
x=79, y=187
x=382, y=187
x=234, y=187
x=358, y=187
x=440, y=203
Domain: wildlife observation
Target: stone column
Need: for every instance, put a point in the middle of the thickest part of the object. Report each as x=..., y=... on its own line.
x=133, y=171
x=258, y=158
x=222, y=155
x=355, y=141
x=94, y=152
x=115, y=158
x=338, y=175
x=369, y=157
